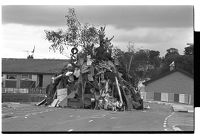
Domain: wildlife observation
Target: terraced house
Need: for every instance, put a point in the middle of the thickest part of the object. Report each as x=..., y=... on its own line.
x=24, y=75
x=176, y=86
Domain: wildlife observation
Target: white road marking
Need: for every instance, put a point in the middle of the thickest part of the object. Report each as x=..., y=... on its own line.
x=98, y=116
x=14, y=117
x=27, y=115
x=165, y=129
x=70, y=130
x=165, y=121
x=113, y=118
x=91, y=120
x=176, y=128
x=76, y=119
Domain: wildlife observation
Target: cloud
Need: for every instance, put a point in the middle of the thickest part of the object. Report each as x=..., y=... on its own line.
x=18, y=39
x=125, y=17
x=159, y=39
x=146, y=35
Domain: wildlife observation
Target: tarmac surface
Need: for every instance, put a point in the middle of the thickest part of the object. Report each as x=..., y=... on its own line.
x=30, y=118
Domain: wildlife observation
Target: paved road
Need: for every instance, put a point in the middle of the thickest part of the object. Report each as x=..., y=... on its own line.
x=181, y=121
x=33, y=118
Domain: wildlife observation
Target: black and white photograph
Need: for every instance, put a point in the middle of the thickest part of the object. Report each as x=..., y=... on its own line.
x=97, y=68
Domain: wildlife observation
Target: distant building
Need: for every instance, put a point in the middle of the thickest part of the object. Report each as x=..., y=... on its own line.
x=176, y=86
x=19, y=75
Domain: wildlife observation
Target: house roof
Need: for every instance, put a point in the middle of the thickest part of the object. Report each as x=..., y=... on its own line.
x=168, y=73
x=34, y=66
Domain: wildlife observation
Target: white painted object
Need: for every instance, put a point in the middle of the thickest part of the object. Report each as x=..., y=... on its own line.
x=70, y=130
x=164, y=97
x=77, y=72
x=119, y=92
x=143, y=95
x=148, y=107
x=89, y=60
x=181, y=98
x=190, y=99
x=54, y=103
x=91, y=120
x=34, y=77
x=61, y=94
x=68, y=73
x=92, y=99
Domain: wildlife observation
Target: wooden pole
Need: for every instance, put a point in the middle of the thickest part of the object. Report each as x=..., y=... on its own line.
x=120, y=95
x=82, y=89
x=130, y=64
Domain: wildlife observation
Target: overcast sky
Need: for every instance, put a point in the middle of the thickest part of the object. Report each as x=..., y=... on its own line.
x=149, y=27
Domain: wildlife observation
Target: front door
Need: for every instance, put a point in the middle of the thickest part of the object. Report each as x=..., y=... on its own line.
x=157, y=96
x=40, y=80
x=176, y=97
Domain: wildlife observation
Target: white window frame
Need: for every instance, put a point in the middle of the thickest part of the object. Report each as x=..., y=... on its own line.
x=15, y=75
x=26, y=77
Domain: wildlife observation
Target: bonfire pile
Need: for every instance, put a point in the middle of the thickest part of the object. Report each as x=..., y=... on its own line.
x=92, y=81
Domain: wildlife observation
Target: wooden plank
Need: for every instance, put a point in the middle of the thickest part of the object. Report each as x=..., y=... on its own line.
x=119, y=91
x=61, y=93
x=54, y=103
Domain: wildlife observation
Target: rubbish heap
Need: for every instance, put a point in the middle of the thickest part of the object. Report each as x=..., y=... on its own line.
x=92, y=80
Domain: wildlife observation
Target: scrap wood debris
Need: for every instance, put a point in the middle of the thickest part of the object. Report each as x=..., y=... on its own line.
x=92, y=81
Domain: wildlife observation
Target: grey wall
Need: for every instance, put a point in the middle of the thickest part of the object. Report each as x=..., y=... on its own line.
x=46, y=80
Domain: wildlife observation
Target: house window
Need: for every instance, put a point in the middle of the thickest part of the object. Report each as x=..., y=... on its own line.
x=10, y=83
x=11, y=76
x=27, y=84
x=26, y=76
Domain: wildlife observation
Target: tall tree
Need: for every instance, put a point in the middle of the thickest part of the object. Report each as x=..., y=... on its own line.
x=184, y=62
x=171, y=55
x=75, y=34
x=154, y=58
x=171, y=51
x=189, y=50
